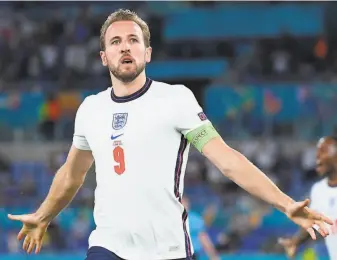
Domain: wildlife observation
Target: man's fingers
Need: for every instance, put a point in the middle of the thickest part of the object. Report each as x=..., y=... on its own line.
x=311, y=233
x=31, y=246
x=320, y=226
x=320, y=217
x=325, y=219
x=26, y=243
x=15, y=217
x=291, y=253
x=283, y=242
x=303, y=203
x=21, y=234
x=38, y=246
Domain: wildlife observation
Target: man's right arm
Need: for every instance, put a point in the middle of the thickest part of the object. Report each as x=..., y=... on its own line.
x=66, y=183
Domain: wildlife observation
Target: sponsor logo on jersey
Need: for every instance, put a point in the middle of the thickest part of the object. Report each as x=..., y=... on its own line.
x=119, y=120
x=113, y=137
x=202, y=116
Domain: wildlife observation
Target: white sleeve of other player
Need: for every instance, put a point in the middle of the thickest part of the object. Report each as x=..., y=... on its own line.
x=189, y=114
x=79, y=139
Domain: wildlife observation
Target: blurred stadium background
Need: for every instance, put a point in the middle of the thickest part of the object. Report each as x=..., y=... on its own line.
x=265, y=74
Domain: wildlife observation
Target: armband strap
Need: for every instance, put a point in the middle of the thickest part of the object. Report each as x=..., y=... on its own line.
x=202, y=135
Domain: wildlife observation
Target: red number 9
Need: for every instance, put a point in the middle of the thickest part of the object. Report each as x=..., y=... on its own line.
x=118, y=154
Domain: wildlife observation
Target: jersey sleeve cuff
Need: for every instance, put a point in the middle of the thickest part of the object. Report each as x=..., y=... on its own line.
x=81, y=144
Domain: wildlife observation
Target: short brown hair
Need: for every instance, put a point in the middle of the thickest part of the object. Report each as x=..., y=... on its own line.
x=125, y=15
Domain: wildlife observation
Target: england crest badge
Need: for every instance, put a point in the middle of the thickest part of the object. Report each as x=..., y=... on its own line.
x=119, y=120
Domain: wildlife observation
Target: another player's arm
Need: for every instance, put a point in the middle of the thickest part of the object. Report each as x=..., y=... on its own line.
x=302, y=237
x=291, y=244
x=208, y=246
x=67, y=181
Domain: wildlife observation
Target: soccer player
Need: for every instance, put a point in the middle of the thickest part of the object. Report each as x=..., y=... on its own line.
x=139, y=132
x=199, y=236
x=323, y=197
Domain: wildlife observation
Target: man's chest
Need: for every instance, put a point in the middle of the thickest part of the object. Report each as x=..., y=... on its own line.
x=326, y=202
x=128, y=126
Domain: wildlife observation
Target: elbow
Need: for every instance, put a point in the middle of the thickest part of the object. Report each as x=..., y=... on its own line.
x=226, y=159
x=233, y=163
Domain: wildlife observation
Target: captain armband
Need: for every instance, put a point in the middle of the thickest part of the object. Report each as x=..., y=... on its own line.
x=202, y=135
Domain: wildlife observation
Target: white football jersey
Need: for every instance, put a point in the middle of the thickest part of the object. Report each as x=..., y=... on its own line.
x=140, y=153
x=324, y=200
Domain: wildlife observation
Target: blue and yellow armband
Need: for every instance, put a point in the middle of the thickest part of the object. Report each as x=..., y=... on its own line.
x=202, y=135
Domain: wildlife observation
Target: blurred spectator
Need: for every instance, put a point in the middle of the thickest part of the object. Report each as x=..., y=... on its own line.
x=81, y=229
x=57, y=239
x=27, y=185
x=320, y=52
x=54, y=47
x=50, y=114
x=13, y=245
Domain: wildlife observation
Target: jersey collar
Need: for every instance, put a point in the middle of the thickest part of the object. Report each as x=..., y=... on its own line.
x=133, y=96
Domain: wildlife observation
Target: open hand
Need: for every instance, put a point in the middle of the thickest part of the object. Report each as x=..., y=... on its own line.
x=289, y=245
x=302, y=215
x=33, y=231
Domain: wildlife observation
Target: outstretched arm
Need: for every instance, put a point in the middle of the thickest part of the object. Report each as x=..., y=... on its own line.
x=239, y=169
x=194, y=125
x=66, y=183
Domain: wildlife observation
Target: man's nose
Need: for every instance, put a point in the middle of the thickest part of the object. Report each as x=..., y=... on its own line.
x=125, y=47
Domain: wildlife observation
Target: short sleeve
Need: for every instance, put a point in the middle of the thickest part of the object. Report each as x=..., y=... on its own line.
x=189, y=114
x=79, y=138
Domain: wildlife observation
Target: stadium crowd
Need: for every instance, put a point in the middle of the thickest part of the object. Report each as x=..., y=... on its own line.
x=53, y=47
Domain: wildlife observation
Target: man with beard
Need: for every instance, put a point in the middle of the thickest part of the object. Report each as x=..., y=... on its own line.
x=323, y=197
x=138, y=132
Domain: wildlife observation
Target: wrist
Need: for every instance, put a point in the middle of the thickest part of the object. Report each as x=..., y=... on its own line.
x=43, y=218
x=285, y=204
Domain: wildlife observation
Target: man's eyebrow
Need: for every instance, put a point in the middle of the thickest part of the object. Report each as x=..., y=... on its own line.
x=118, y=37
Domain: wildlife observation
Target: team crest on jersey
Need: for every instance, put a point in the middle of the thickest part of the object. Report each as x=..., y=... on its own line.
x=119, y=120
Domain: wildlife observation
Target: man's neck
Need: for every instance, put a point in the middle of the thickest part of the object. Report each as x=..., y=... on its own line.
x=122, y=89
x=332, y=179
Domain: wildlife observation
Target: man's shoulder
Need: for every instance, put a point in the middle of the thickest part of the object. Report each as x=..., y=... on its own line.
x=100, y=97
x=171, y=90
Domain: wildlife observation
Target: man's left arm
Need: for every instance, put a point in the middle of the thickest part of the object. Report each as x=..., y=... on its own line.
x=199, y=131
x=240, y=170
x=195, y=126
